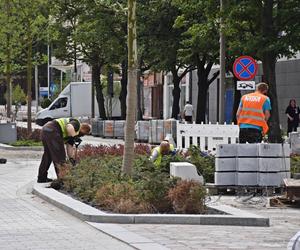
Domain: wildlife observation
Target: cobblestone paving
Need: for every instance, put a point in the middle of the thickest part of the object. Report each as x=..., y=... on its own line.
x=27, y=222
x=285, y=222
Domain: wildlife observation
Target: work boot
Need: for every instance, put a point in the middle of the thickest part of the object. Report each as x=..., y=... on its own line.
x=40, y=180
x=3, y=161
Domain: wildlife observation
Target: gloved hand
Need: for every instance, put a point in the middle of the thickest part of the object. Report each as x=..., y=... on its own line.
x=77, y=141
x=73, y=161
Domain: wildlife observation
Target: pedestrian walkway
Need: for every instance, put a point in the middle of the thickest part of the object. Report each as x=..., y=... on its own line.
x=27, y=222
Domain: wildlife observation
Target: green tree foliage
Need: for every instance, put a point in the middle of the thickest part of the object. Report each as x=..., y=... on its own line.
x=268, y=33
x=200, y=44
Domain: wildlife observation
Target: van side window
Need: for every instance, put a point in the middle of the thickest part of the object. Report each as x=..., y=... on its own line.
x=60, y=103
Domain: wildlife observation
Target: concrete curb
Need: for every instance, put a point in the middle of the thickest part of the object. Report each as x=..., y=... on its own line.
x=21, y=148
x=232, y=217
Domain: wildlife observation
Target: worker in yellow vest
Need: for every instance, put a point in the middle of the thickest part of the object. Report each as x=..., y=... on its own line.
x=253, y=114
x=55, y=134
x=165, y=148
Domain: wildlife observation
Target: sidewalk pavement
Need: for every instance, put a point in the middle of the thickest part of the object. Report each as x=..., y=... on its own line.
x=27, y=222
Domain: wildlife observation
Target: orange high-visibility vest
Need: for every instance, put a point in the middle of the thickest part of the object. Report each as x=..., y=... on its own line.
x=252, y=111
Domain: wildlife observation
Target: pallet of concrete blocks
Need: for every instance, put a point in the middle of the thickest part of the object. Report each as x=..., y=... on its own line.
x=274, y=164
x=97, y=127
x=225, y=165
x=295, y=142
x=142, y=130
x=119, y=128
x=252, y=164
x=113, y=129
x=160, y=128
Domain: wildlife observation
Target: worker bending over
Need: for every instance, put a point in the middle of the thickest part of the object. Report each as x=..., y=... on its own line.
x=165, y=148
x=55, y=134
x=253, y=114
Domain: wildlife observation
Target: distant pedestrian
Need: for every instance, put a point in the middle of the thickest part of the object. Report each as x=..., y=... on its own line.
x=292, y=112
x=253, y=114
x=188, y=112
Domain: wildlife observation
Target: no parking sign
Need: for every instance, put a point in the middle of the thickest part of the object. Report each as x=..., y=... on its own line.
x=245, y=68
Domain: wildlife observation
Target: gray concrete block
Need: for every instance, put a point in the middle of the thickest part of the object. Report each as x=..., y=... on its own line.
x=285, y=175
x=225, y=178
x=247, y=179
x=270, y=164
x=270, y=179
x=247, y=150
x=247, y=164
x=270, y=150
x=185, y=171
x=286, y=164
x=226, y=150
x=225, y=164
x=295, y=142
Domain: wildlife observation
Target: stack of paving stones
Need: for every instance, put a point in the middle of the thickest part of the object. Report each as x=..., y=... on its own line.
x=262, y=165
x=97, y=127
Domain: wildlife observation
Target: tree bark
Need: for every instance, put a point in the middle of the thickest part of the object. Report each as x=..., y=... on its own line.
x=132, y=90
x=139, y=96
x=123, y=93
x=176, y=94
x=96, y=82
x=269, y=62
x=29, y=84
x=236, y=102
x=202, y=96
x=8, y=62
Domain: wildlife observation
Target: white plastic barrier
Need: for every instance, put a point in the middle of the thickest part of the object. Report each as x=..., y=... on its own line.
x=206, y=136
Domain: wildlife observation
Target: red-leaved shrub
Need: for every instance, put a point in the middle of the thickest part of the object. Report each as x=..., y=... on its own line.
x=23, y=134
x=187, y=197
x=114, y=150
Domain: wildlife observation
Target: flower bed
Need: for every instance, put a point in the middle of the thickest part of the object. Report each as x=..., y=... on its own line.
x=97, y=179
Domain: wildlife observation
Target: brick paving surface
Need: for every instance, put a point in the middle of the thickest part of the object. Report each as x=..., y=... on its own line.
x=27, y=222
x=285, y=222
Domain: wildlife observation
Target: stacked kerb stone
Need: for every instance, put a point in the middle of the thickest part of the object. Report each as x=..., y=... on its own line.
x=252, y=164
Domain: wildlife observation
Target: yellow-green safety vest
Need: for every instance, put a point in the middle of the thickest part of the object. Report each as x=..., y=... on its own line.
x=157, y=161
x=63, y=122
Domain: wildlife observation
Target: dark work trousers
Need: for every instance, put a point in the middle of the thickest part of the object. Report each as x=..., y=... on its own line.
x=54, y=149
x=250, y=135
x=292, y=126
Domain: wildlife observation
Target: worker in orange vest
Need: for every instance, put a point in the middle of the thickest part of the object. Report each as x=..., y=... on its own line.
x=253, y=114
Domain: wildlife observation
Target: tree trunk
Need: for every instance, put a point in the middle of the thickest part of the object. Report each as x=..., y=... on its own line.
x=8, y=62
x=123, y=93
x=139, y=96
x=29, y=84
x=132, y=90
x=202, y=97
x=8, y=77
x=96, y=82
x=176, y=94
x=269, y=62
x=236, y=102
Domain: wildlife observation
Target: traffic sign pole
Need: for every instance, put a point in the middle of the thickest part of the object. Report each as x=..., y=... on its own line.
x=222, y=69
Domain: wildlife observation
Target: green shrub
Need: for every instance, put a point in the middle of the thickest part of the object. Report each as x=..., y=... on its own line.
x=204, y=163
x=27, y=143
x=295, y=164
x=45, y=103
x=187, y=197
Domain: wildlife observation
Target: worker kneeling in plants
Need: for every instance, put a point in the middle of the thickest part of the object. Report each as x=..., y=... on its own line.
x=165, y=148
x=55, y=134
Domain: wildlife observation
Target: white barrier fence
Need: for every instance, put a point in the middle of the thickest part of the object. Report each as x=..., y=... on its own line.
x=206, y=136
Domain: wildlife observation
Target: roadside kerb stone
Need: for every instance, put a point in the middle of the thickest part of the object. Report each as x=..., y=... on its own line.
x=232, y=216
x=9, y=147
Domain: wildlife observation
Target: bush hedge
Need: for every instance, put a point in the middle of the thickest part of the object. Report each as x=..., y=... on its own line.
x=98, y=180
